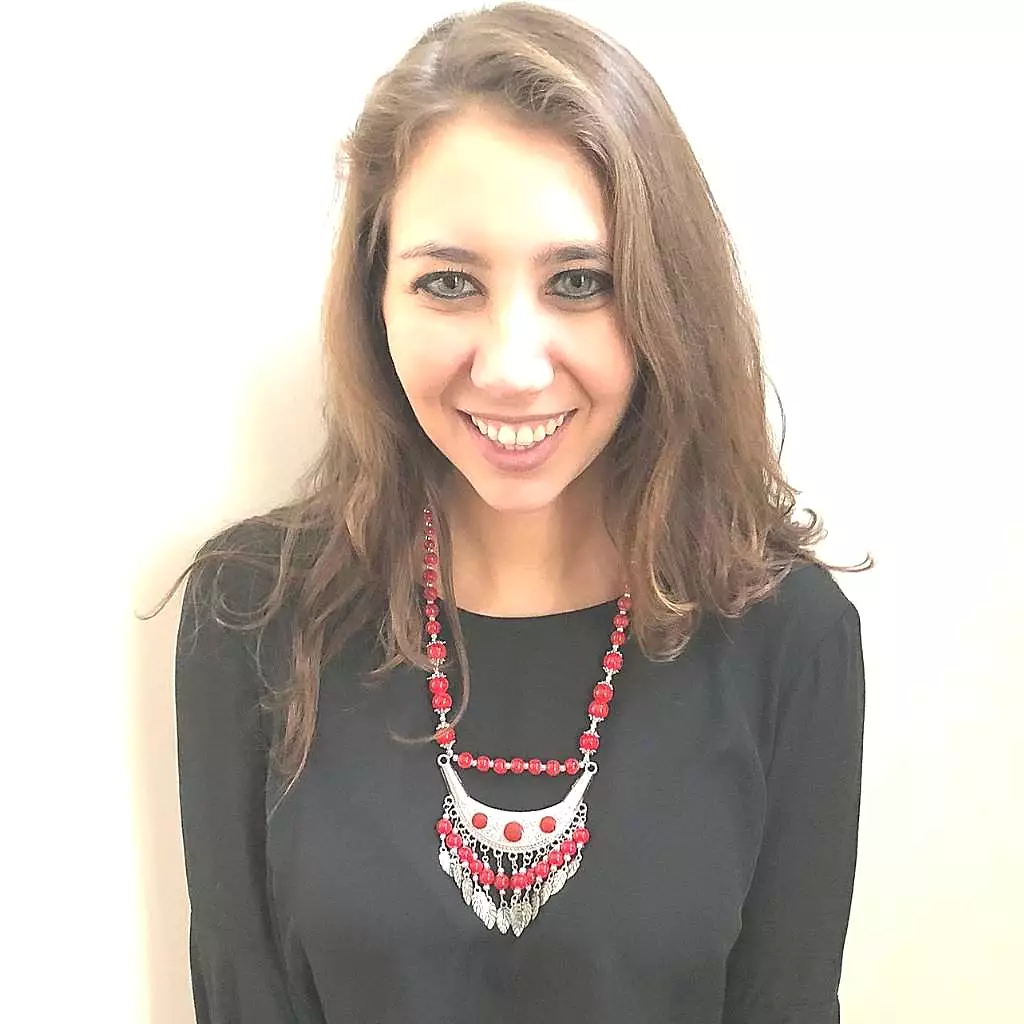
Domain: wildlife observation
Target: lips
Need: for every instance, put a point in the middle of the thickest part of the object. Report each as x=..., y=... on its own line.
x=516, y=458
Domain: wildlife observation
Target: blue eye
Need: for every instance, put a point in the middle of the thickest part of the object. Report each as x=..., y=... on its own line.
x=445, y=284
x=580, y=284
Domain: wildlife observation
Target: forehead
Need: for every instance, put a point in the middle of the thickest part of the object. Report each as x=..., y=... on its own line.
x=482, y=182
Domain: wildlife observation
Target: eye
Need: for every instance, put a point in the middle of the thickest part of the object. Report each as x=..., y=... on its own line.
x=445, y=284
x=580, y=284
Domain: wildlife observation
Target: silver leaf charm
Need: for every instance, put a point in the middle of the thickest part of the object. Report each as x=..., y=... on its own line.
x=484, y=908
x=446, y=862
x=573, y=866
x=520, y=915
x=535, y=901
x=457, y=871
x=545, y=891
x=467, y=888
x=557, y=881
x=503, y=920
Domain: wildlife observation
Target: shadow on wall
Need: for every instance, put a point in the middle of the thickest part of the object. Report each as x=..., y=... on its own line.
x=278, y=431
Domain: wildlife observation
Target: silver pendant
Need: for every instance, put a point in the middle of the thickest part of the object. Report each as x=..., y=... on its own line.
x=492, y=834
x=486, y=838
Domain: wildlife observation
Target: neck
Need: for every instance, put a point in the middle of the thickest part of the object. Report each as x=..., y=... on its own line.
x=552, y=559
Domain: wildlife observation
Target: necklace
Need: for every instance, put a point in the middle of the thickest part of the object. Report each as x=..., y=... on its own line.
x=526, y=857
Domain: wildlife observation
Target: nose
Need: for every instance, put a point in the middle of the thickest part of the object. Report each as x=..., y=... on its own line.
x=512, y=357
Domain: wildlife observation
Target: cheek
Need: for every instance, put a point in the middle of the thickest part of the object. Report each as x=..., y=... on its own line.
x=608, y=374
x=426, y=353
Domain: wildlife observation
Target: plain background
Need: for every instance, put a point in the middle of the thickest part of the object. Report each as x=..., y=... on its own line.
x=166, y=194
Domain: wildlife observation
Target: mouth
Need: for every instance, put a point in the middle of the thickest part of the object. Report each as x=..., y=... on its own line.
x=518, y=436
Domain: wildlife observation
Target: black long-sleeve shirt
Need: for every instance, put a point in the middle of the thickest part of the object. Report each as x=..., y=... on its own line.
x=716, y=885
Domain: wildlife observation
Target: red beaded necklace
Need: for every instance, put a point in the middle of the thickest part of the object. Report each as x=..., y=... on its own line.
x=526, y=857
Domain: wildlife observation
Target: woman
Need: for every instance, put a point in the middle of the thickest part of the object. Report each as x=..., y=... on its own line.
x=547, y=461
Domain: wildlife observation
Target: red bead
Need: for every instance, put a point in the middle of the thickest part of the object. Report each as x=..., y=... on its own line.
x=445, y=735
x=553, y=768
x=501, y=882
x=603, y=692
x=431, y=559
x=582, y=836
x=625, y=603
x=465, y=854
x=588, y=741
x=613, y=661
x=428, y=529
x=444, y=827
x=618, y=638
x=568, y=847
x=430, y=593
x=500, y=766
x=535, y=766
x=479, y=820
x=465, y=759
x=596, y=709
x=555, y=857
x=621, y=621
x=476, y=866
x=513, y=831
x=483, y=763
x=487, y=877
x=441, y=701
x=531, y=876
x=547, y=824
x=436, y=650
x=542, y=869
x=433, y=627
x=453, y=840
x=572, y=766
x=518, y=881
x=430, y=577
x=438, y=684
x=430, y=610
x=517, y=765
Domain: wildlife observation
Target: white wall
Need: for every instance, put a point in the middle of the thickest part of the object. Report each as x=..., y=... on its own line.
x=165, y=203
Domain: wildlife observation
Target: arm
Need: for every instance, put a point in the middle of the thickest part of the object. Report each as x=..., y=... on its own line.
x=786, y=963
x=237, y=973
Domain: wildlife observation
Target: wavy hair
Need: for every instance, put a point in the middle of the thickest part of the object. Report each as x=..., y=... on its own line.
x=697, y=501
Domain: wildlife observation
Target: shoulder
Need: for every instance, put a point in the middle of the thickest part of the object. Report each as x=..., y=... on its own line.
x=235, y=568
x=784, y=629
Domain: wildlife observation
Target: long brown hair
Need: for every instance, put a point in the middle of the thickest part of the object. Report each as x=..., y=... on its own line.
x=696, y=500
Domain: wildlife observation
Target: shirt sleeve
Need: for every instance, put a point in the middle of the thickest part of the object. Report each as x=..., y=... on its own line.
x=237, y=971
x=785, y=966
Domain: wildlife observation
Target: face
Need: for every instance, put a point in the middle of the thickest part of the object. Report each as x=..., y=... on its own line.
x=499, y=310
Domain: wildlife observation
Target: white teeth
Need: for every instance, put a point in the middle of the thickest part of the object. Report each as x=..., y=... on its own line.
x=511, y=438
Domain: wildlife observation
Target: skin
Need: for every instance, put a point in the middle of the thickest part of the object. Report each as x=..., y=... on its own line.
x=514, y=326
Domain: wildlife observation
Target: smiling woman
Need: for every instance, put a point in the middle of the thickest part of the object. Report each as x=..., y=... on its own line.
x=547, y=446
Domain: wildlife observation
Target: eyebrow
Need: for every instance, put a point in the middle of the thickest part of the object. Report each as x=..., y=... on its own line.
x=566, y=252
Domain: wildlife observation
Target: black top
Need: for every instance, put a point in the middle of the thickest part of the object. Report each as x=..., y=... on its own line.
x=716, y=885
